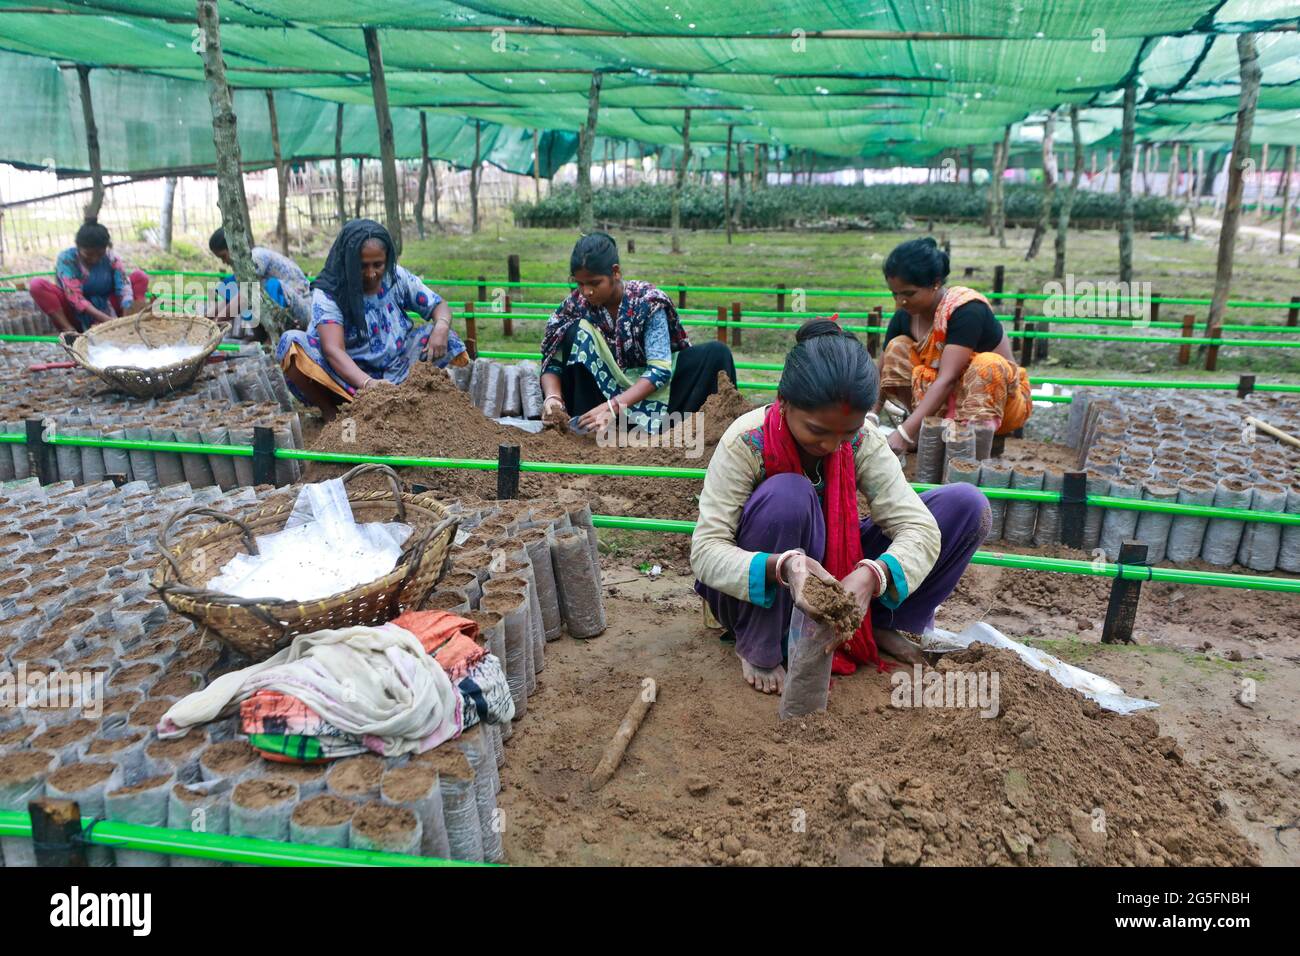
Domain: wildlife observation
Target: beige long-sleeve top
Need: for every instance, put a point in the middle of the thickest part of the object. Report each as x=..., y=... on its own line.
x=736, y=470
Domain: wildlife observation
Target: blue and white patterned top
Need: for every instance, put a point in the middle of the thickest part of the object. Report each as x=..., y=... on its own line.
x=383, y=352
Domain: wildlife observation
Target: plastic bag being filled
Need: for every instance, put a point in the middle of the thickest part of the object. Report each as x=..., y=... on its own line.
x=321, y=551
x=808, y=681
x=1108, y=694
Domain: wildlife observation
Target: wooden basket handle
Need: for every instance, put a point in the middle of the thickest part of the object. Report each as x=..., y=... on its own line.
x=375, y=467
x=163, y=541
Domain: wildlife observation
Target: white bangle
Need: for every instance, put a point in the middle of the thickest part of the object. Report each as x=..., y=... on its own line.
x=906, y=437
x=781, y=560
x=878, y=569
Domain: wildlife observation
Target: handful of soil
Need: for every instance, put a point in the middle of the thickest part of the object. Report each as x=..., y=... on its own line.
x=556, y=417
x=832, y=605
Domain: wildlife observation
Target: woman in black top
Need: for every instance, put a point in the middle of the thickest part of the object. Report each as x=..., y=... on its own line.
x=945, y=352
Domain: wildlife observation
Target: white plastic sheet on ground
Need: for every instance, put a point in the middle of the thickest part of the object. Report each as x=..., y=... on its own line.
x=140, y=356
x=1106, y=693
x=321, y=551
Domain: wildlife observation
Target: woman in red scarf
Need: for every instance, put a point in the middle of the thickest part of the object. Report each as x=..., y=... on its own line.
x=780, y=503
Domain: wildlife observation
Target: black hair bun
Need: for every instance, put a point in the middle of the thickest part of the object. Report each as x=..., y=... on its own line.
x=815, y=328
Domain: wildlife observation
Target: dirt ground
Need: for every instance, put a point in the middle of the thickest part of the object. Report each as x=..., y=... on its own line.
x=712, y=778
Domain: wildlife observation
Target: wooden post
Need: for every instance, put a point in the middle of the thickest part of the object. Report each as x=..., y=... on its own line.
x=339, y=196
x=681, y=298
x=1293, y=313
x=726, y=185
x=225, y=140
x=474, y=173
x=586, y=141
x=512, y=276
x=1126, y=182
x=1074, y=497
x=387, y=150
x=780, y=297
x=281, y=176
x=1250, y=79
x=263, y=455
x=1018, y=316
x=873, y=338
x=361, y=188
x=999, y=281
x=678, y=183
x=422, y=187
x=471, y=331
x=507, y=471
x=1027, y=346
x=91, y=210
x=482, y=289
x=722, y=329
x=735, y=329
x=433, y=182
x=1185, y=351
x=1121, y=610
x=507, y=323
x=56, y=832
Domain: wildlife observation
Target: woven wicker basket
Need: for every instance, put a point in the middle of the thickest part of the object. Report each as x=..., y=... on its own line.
x=259, y=628
x=153, y=329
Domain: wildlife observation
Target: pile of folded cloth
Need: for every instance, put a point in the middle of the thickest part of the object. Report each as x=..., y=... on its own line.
x=397, y=688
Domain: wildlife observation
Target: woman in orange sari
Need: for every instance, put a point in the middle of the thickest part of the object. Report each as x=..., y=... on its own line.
x=945, y=353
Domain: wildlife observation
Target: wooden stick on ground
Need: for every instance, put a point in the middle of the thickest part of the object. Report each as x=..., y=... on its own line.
x=1277, y=433
x=618, y=745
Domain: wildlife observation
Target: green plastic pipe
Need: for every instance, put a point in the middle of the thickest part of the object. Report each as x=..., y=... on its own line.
x=226, y=849
x=1132, y=572
x=630, y=471
x=843, y=293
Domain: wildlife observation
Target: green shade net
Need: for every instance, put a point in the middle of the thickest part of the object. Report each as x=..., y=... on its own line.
x=841, y=83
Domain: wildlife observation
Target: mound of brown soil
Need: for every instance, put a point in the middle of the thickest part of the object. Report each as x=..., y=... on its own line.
x=428, y=416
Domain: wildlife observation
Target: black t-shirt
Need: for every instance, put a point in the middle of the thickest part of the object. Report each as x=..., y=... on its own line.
x=971, y=325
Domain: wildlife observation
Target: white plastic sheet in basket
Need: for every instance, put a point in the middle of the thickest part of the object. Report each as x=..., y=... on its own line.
x=321, y=551
x=140, y=356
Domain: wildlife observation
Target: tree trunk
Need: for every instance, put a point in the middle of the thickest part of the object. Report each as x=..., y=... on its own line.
x=681, y=181
x=1288, y=171
x=92, y=145
x=281, y=176
x=740, y=185
x=433, y=175
x=422, y=187
x=361, y=188
x=387, y=151
x=726, y=186
x=1067, y=201
x=1049, y=187
x=586, y=143
x=168, y=211
x=1126, y=183
x=474, y=176
x=339, y=195
x=999, y=192
x=537, y=159
x=1250, y=78
x=225, y=139
x=1171, y=181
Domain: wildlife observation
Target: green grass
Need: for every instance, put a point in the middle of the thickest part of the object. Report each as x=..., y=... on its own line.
x=1072, y=650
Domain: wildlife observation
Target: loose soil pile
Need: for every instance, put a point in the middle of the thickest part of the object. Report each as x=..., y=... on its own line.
x=833, y=605
x=428, y=415
x=1051, y=779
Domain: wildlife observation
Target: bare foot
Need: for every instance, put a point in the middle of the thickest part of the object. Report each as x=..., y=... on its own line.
x=768, y=680
x=897, y=646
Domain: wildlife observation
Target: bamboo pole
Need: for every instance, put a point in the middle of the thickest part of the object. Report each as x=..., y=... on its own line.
x=339, y=195
x=1288, y=172
x=387, y=151
x=681, y=181
x=281, y=176
x=1067, y=201
x=474, y=176
x=225, y=140
x=1250, y=80
x=91, y=210
x=586, y=142
x=1126, y=182
x=422, y=186
x=167, y=216
x=537, y=158
x=726, y=185
x=1049, y=187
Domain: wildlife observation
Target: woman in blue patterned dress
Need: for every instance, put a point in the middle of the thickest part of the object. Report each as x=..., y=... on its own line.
x=360, y=336
x=616, y=347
